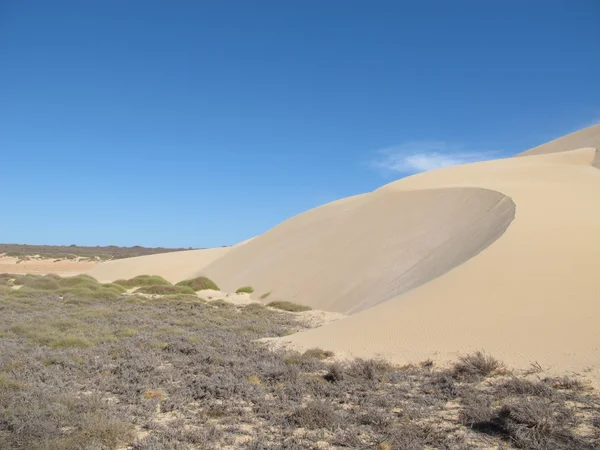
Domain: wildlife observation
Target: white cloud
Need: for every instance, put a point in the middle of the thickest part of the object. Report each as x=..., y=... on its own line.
x=421, y=156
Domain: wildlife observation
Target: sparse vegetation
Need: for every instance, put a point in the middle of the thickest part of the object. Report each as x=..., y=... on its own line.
x=165, y=290
x=288, y=306
x=199, y=284
x=143, y=280
x=245, y=289
x=265, y=295
x=73, y=251
x=83, y=371
x=477, y=364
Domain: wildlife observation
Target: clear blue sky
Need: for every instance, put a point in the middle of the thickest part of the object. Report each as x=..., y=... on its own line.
x=202, y=123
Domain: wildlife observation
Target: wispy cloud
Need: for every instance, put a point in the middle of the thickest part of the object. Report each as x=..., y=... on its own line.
x=421, y=156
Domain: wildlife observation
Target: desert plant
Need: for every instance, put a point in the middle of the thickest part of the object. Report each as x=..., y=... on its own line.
x=199, y=284
x=476, y=364
x=164, y=290
x=143, y=280
x=288, y=306
x=245, y=289
x=317, y=353
x=265, y=295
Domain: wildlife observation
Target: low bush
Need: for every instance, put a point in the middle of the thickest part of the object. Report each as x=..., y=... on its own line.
x=476, y=365
x=164, y=290
x=143, y=280
x=288, y=306
x=199, y=284
x=245, y=289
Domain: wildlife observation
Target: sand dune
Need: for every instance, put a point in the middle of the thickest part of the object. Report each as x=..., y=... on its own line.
x=353, y=254
x=588, y=137
x=174, y=266
x=532, y=295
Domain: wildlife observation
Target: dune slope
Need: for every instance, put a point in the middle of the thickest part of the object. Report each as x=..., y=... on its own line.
x=588, y=137
x=174, y=266
x=350, y=255
x=533, y=295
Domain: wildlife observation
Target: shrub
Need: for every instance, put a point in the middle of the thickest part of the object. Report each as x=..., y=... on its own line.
x=164, y=290
x=42, y=284
x=477, y=364
x=288, y=306
x=538, y=424
x=199, y=284
x=143, y=280
x=114, y=287
x=245, y=289
x=77, y=280
x=265, y=295
x=315, y=415
x=317, y=353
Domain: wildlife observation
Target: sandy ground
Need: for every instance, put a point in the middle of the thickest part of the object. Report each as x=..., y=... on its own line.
x=43, y=266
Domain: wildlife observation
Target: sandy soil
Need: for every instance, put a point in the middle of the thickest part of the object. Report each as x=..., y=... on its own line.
x=41, y=266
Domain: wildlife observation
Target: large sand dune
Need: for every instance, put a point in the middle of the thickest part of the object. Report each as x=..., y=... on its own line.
x=351, y=255
x=532, y=295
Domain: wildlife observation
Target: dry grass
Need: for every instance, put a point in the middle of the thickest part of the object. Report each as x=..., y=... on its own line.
x=79, y=371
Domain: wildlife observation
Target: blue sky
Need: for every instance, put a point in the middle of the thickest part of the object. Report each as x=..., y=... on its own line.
x=200, y=124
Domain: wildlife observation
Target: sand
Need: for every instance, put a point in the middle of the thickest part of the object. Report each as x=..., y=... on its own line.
x=42, y=266
x=588, y=137
x=353, y=255
x=173, y=266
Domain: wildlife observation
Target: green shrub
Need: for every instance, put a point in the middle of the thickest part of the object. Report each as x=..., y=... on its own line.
x=164, y=290
x=265, y=295
x=77, y=280
x=114, y=287
x=199, y=284
x=245, y=289
x=42, y=284
x=288, y=306
x=143, y=280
